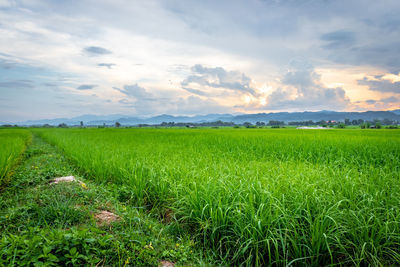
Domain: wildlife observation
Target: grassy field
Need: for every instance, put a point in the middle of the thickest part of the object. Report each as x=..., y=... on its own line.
x=12, y=144
x=257, y=196
x=45, y=224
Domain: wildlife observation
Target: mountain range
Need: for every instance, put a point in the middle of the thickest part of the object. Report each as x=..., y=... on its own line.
x=93, y=120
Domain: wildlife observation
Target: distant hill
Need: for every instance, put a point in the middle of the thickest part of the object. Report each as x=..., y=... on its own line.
x=317, y=116
x=252, y=118
x=396, y=111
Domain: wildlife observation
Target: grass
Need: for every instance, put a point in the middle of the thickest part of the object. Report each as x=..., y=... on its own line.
x=12, y=143
x=256, y=196
x=43, y=224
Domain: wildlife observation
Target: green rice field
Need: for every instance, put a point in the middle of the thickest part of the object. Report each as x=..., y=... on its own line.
x=255, y=196
x=12, y=144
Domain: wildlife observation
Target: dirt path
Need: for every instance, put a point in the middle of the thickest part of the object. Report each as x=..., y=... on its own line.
x=79, y=223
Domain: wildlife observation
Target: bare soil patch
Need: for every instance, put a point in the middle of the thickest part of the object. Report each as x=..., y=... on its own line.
x=166, y=264
x=105, y=217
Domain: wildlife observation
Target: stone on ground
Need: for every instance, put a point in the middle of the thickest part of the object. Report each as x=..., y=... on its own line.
x=66, y=179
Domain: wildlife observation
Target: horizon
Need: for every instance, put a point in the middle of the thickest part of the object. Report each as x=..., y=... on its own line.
x=115, y=117
x=188, y=58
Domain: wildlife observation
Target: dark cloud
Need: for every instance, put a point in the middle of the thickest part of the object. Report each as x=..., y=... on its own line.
x=195, y=91
x=217, y=78
x=50, y=84
x=96, y=50
x=379, y=104
x=125, y=102
x=338, y=39
x=381, y=85
x=392, y=99
x=17, y=84
x=4, y=64
x=86, y=86
x=107, y=65
x=134, y=91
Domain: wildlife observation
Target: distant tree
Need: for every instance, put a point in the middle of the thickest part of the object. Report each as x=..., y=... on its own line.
x=117, y=124
x=247, y=124
x=378, y=125
x=341, y=125
x=354, y=122
x=272, y=123
x=387, y=122
x=62, y=125
x=260, y=123
x=347, y=121
x=81, y=123
x=365, y=125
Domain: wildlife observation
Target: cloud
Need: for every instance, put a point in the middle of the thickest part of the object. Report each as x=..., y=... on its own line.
x=50, y=84
x=381, y=85
x=219, y=78
x=302, y=90
x=96, y=50
x=391, y=99
x=86, y=86
x=338, y=39
x=392, y=102
x=17, y=84
x=195, y=91
x=258, y=38
x=134, y=91
x=107, y=65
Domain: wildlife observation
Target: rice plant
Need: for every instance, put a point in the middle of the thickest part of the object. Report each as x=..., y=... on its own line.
x=258, y=196
x=12, y=144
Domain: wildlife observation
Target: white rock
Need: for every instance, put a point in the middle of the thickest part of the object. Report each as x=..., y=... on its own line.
x=66, y=179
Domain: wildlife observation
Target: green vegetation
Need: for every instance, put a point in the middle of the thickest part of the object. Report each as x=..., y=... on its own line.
x=12, y=144
x=256, y=196
x=43, y=224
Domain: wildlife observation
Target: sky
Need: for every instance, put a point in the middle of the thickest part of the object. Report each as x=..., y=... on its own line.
x=143, y=58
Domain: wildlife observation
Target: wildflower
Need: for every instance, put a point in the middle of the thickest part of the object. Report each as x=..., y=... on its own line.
x=149, y=246
x=127, y=261
x=84, y=186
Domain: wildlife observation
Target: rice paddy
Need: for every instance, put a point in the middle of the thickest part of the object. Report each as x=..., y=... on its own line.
x=257, y=196
x=12, y=144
